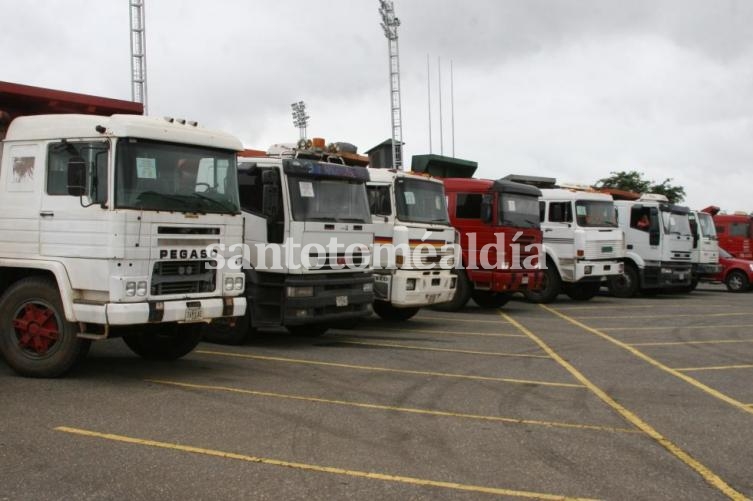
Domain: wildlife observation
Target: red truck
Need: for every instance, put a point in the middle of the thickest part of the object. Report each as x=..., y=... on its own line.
x=734, y=232
x=499, y=233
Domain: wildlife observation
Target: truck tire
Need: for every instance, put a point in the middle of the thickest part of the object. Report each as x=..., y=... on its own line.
x=311, y=330
x=625, y=285
x=583, y=291
x=222, y=332
x=736, y=281
x=35, y=338
x=391, y=314
x=489, y=299
x=163, y=341
x=463, y=291
x=551, y=285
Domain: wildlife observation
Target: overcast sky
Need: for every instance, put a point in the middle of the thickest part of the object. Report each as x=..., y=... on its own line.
x=571, y=89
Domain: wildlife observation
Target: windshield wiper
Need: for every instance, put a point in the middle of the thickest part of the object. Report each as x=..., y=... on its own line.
x=174, y=198
x=222, y=204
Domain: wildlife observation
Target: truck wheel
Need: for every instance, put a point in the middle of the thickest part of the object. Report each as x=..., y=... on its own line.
x=625, y=285
x=736, y=281
x=388, y=312
x=35, y=338
x=551, y=284
x=163, y=341
x=583, y=291
x=463, y=291
x=489, y=299
x=222, y=332
x=312, y=330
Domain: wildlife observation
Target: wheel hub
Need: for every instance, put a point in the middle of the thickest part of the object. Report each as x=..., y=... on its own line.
x=36, y=328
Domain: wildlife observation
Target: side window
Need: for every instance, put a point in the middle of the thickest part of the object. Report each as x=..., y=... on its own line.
x=379, y=200
x=251, y=190
x=542, y=211
x=560, y=212
x=640, y=218
x=95, y=156
x=468, y=206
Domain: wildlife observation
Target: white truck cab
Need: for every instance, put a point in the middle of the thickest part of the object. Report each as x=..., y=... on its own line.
x=410, y=211
x=582, y=243
x=705, y=255
x=659, y=244
x=107, y=226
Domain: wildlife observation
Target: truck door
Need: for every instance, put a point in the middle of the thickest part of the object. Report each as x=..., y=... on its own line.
x=558, y=230
x=71, y=225
x=21, y=184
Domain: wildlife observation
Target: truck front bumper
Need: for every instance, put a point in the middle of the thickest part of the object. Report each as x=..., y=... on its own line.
x=415, y=288
x=706, y=271
x=506, y=280
x=594, y=270
x=184, y=310
x=334, y=298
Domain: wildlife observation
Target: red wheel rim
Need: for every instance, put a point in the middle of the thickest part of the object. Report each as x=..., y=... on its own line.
x=37, y=328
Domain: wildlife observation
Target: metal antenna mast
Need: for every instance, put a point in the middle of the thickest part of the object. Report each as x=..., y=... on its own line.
x=138, y=53
x=390, y=24
x=300, y=118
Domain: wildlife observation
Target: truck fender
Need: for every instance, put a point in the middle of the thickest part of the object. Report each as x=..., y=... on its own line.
x=636, y=260
x=551, y=255
x=57, y=270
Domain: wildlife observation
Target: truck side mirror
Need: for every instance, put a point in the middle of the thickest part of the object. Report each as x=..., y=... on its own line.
x=487, y=215
x=270, y=194
x=77, y=177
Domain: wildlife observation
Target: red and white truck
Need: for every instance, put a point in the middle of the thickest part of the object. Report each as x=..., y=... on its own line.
x=107, y=222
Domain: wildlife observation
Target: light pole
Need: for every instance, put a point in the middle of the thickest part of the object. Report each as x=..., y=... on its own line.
x=300, y=118
x=390, y=24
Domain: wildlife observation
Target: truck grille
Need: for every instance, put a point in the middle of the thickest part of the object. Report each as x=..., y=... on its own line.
x=603, y=249
x=183, y=277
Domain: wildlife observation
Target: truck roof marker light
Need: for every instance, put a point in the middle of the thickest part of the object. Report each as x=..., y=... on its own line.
x=169, y=119
x=101, y=129
x=318, y=143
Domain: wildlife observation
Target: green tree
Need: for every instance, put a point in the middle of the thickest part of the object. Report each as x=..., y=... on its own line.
x=634, y=181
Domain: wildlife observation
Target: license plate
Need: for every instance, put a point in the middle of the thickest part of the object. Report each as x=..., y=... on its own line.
x=193, y=314
x=682, y=276
x=524, y=280
x=341, y=301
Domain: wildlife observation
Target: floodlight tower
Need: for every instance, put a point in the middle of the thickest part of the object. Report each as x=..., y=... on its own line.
x=300, y=118
x=390, y=24
x=138, y=53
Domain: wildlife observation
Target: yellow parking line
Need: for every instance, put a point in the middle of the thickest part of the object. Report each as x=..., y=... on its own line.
x=710, y=477
x=409, y=410
x=683, y=315
x=455, y=319
x=715, y=368
x=602, y=306
x=389, y=370
x=311, y=467
x=456, y=333
x=655, y=363
x=667, y=328
x=674, y=343
x=446, y=350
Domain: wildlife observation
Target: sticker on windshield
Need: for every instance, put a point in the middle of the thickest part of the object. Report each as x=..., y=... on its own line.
x=410, y=198
x=306, y=188
x=438, y=203
x=511, y=205
x=146, y=168
x=580, y=210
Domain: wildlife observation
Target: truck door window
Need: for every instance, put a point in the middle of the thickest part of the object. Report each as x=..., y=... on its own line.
x=542, y=211
x=251, y=190
x=560, y=212
x=94, y=153
x=379, y=200
x=468, y=206
x=640, y=218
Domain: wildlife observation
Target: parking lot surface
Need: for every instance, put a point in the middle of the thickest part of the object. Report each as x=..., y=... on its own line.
x=649, y=398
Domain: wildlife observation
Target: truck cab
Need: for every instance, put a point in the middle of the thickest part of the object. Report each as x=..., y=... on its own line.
x=583, y=244
x=307, y=242
x=705, y=255
x=500, y=239
x=114, y=226
x=734, y=232
x=409, y=213
x=659, y=244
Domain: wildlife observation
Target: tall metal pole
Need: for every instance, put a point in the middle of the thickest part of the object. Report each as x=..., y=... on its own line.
x=390, y=24
x=138, y=53
x=452, y=108
x=428, y=93
x=441, y=132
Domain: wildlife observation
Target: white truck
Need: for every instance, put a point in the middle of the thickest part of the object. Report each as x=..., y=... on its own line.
x=309, y=238
x=582, y=243
x=705, y=255
x=659, y=245
x=409, y=212
x=105, y=231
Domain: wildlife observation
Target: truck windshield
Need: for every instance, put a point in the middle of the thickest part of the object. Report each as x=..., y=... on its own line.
x=590, y=214
x=518, y=210
x=676, y=223
x=420, y=201
x=326, y=199
x=706, y=224
x=152, y=175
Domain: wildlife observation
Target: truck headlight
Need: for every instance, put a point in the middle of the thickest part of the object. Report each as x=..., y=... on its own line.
x=368, y=287
x=751, y=266
x=238, y=283
x=130, y=289
x=300, y=291
x=141, y=288
x=410, y=284
x=229, y=283
x=588, y=269
x=666, y=271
